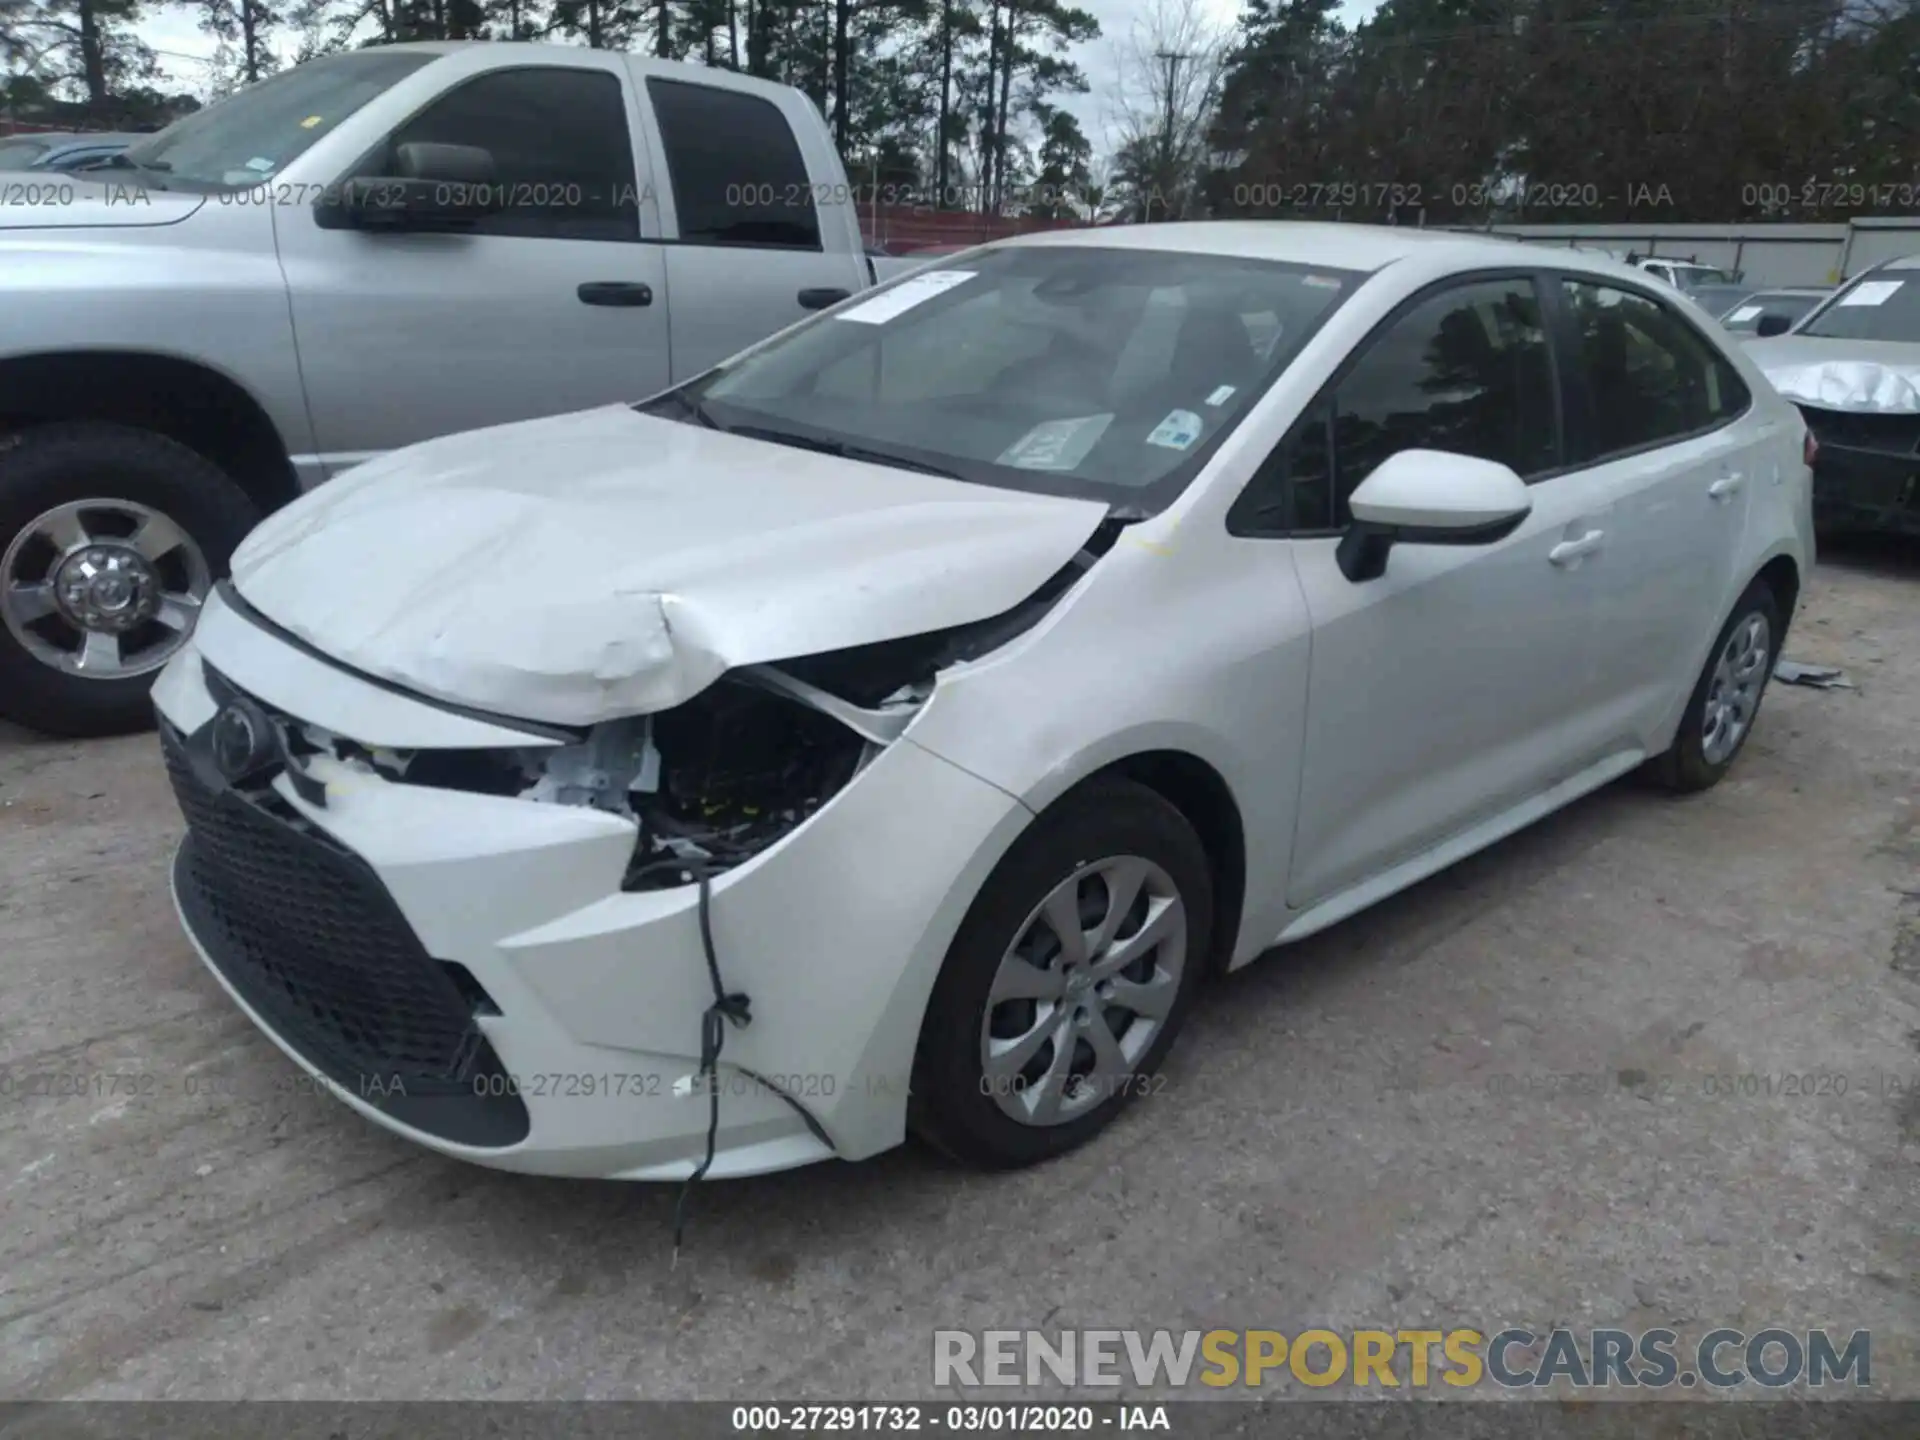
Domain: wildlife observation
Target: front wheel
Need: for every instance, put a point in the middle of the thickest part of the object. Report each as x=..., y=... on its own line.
x=1726, y=698
x=1067, y=981
x=110, y=540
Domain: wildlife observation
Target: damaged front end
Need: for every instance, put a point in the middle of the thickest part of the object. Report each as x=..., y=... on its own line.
x=716, y=780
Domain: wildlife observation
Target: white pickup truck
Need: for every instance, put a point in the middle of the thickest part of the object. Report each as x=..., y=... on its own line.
x=371, y=249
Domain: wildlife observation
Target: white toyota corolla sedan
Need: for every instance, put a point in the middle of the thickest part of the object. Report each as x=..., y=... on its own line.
x=892, y=728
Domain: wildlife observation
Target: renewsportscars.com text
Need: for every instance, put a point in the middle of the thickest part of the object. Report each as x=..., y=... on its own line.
x=1461, y=1357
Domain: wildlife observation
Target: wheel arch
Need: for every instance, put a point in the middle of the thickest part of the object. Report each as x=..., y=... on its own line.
x=1196, y=788
x=188, y=401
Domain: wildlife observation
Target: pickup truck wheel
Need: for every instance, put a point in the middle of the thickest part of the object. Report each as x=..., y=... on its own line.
x=110, y=539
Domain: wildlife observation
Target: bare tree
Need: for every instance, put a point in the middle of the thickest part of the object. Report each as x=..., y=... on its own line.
x=1162, y=105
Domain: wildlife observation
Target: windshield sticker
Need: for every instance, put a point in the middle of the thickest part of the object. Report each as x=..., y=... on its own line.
x=1220, y=396
x=912, y=291
x=1177, y=432
x=1320, y=282
x=1871, y=292
x=1056, y=444
x=310, y=122
x=259, y=164
x=1743, y=314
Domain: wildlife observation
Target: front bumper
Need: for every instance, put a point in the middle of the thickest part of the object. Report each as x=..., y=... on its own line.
x=464, y=969
x=1867, y=475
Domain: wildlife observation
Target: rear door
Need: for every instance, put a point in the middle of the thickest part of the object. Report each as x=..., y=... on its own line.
x=755, y=234
x=555, y=304
x=1653, y=407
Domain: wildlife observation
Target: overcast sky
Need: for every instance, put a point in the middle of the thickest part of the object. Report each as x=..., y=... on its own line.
x=184, y=47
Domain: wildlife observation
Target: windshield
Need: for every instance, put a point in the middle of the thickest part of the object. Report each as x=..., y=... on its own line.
x=1880, y=305
x=250, y=135
x=1744, y=318
x=1104, y=373
x=19, y=154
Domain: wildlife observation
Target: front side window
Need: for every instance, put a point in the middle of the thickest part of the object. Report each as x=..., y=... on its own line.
x=1649, y=376
x=562, y=152
x=737, y=173
x=254, y=133
x=1105, y=373
x=1466, y=370
x=1881, y=305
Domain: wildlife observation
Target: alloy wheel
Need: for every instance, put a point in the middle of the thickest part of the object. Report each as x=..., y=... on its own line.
x=102, y=589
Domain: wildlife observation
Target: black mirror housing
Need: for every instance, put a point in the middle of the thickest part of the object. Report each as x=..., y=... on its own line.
x=1772, y=324
x=433, y=188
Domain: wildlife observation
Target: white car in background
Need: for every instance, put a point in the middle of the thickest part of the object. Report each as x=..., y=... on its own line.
x=893, y=726
x=1852, y=365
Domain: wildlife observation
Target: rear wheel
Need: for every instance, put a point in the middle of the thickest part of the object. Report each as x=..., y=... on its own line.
x=1068, y=980
x=1726, y=698
x=110, y=540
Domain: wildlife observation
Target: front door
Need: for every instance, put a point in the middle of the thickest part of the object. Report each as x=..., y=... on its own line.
x=554, y=304
x=1462, y=681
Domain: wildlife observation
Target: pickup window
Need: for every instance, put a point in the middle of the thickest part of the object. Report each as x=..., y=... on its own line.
x=560, y=148
x=737, y=173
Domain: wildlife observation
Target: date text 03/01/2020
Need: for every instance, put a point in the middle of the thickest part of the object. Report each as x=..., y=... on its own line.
x=957, y=1419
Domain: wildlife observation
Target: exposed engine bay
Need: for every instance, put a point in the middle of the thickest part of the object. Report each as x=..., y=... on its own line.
x=714, y=781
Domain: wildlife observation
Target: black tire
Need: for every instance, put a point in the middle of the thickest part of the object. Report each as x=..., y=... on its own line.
x=1684, y=768
x=52, y=465
x=951, y=1107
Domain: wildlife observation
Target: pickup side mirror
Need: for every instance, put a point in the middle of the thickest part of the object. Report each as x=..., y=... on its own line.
x=1429, y=497
x=1772, y=323
x=432, y=188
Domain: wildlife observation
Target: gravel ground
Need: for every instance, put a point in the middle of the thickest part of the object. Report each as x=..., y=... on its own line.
x=1518, y=1094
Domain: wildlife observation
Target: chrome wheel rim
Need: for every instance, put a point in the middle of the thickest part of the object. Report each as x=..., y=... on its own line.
x=1084, y=991
x=1739, y=675
x=102, y=589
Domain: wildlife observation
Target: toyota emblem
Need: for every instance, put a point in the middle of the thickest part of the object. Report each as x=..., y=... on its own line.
x=242, y=740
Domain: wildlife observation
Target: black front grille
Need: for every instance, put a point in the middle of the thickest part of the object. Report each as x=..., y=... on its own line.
x=303, y=929
x=1888, y=434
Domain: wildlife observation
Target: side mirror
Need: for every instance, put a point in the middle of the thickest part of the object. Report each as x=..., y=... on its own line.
x=433, y=188
x=1772, y=324
x=1429, y=497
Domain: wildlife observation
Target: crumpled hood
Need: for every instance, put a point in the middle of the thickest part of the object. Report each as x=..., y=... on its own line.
x=608, y=563
x=32, y=201
x=1864, y=376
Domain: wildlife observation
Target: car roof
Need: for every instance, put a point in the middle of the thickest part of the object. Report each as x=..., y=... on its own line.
x=1337, y=246
x=1905, y=262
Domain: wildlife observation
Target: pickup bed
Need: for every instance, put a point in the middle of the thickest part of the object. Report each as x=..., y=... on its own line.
x=369, y=250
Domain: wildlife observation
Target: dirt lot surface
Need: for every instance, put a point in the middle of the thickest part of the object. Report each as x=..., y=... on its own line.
x=1651, y=1062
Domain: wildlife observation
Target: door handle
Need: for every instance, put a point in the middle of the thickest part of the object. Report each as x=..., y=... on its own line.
x=822, y=297
x=1568, y=551
x=615, y=292
x=1726, y=486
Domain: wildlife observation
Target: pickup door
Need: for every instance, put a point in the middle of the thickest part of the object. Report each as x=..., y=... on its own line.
x=631, y=253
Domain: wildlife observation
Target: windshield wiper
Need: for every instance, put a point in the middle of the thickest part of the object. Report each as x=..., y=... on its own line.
x=840, y=450
x=687, y=405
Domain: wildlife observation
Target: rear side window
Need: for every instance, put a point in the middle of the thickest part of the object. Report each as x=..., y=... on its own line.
x=737, y=173
x=562, y=151
x=1648, y=375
